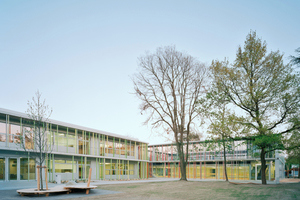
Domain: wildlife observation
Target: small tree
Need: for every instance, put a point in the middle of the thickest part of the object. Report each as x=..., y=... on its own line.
x=169, y=85
x=264, y=91
x=223, y=128
x=35, y=139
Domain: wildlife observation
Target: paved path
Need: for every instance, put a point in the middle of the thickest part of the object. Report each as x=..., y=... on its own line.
x=13, y=195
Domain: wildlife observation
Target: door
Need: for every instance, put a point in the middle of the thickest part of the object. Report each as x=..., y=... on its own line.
x=258, y=172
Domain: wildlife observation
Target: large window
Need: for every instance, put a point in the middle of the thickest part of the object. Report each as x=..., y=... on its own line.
x=83, y=142
x=61, y=138
x=130, y=150
x=109, y=146
x=64, y=166
x=27, y=170
x=2, y=131
x=101, y=144
x=2, y=128
x=14, y=133
x=131, y=168
x=13, y=169
x=28, y=134
x=122, y=147
x=71, y=138
x=2, y=168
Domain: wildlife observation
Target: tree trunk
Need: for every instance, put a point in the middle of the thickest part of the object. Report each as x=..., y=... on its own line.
x=183, y=169
x=263, y=166
x=224, y=150
x=41, y=177
x=182, y=163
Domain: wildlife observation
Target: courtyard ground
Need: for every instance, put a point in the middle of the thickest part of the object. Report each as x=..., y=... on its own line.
x=166, y=188
x=200, y=190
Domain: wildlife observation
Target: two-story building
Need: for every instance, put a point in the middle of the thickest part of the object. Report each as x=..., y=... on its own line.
x=73, y=150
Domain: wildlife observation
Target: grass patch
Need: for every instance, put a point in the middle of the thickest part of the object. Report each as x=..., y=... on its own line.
x=200, y=190
x=133, y=186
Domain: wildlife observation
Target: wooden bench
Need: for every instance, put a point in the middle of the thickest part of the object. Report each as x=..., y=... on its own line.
x=24, y=192
x=82, y=187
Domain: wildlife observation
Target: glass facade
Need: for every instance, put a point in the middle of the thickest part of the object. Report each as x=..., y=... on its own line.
x=205, y=161
x=73, y=152
x=236, y=170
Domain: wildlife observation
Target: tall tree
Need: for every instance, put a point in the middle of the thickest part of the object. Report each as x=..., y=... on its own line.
x=296, y=59
x=35, y=138
x=169, y=84
x=264, y=91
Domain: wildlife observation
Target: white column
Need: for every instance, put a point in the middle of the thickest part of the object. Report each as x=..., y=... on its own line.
x=277, y=167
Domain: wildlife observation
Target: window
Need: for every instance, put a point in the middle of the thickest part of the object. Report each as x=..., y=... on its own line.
x=14, y=133
x=28, y=134
x=63, y=166
x=2, y=168
x=27, y=170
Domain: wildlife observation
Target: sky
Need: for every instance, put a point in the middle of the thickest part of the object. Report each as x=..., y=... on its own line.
x=81, y=54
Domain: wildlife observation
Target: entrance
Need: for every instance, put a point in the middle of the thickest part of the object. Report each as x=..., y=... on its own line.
x=258, y=172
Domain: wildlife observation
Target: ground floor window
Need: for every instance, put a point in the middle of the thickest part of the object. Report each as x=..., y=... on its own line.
x=65, y=166
x=2, y=168
x=27, y=170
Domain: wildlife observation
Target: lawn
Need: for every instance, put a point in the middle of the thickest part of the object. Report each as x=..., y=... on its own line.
x=200, y=190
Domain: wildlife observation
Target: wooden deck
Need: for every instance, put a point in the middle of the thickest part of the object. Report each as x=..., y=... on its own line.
x=34, y=191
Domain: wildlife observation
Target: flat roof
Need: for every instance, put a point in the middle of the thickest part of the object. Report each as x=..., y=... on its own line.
x=23, y=115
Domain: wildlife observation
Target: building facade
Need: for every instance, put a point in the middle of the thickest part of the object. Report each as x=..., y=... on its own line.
x=206, y=161
x=74, y=150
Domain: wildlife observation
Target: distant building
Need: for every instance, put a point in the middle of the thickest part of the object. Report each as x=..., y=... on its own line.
x=243, y=163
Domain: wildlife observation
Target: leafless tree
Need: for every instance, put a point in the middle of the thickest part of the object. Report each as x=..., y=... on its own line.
x=170, y=84
x=35, y=138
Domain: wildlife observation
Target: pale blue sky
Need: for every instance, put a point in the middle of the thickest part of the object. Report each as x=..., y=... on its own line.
x=81, y=54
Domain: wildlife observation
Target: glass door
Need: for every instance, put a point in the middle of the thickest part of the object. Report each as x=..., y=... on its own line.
x=13, y=169
x=258, y=172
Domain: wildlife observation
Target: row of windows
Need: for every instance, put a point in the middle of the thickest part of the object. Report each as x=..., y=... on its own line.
x=27, y=169
x=235, y=170
x=68, y=140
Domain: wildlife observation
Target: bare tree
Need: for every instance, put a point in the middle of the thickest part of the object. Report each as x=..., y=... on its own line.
x=35, y=138
x=169, y=84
